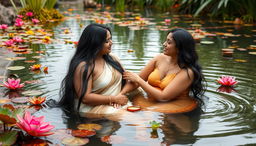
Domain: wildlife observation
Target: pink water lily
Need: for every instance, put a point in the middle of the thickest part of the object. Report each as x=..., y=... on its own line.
x=3, y=26
x=227, y=80
x=19, y=23
x=35, y=21
x=29, y=14
x=13, y=84
x=34, y=126
x=19, y=16
x=18, y=40
x=8, y=43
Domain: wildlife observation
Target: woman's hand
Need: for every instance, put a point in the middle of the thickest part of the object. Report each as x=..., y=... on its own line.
x=120, y=99
x=131, y=76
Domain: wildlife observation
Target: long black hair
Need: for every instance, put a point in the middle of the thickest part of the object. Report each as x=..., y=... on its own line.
x=188, y=58
x=90, y=44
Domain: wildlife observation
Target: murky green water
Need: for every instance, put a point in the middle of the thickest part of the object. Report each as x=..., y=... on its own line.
x=228, y=118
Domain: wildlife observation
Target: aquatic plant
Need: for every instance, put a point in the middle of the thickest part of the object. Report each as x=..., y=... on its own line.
x=37, y=100
x=8, y=117
x=13, y=84
x=38, y=9
x=3, y=26
x=35, y=67
x=154, y=124
x=227, y=9
x=35, y=21
x=8, y=43
x=34, y=126
x=8, y=113
x=227, y=80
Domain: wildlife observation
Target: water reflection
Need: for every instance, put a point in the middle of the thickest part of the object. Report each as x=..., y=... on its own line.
x=180, y=128
x=229, y=113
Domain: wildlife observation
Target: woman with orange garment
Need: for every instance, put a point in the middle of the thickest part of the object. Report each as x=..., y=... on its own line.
x=169, y=77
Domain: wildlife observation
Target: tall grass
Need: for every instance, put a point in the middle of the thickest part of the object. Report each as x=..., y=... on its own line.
x=120, y=5
x=50, y=4
x=164, y=4
x=35, y=5
x=42, y=9
x=227, y=9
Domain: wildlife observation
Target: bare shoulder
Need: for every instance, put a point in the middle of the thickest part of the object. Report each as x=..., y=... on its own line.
x=114, y=57
x=187, y=72
x=158, y=57
x=80, y=67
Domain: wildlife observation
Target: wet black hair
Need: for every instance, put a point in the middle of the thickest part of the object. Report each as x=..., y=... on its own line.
x=188, y=58
x=90, y=44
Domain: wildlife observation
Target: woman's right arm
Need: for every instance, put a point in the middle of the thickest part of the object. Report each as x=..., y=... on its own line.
x=144, y=73
x=92, y=98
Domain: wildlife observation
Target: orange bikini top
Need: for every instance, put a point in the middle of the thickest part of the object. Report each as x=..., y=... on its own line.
x=154, y=79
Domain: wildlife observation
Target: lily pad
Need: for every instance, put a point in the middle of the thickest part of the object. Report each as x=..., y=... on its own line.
x=20, y=100
x=82, y=133
x=74, y=141
x=37, y=57
x=8, y=138
x=196, y=25
x=252, y=53
x=89, y=126
x=59, y=134
x=4, y=100
x=35, y=142
x=6, y=116
x=15, y=67
x=240, y=60
x=33, y=81
x=15, y=58
x=32, y=93
x=30, y=61
x=207, y=42
x=241, y=49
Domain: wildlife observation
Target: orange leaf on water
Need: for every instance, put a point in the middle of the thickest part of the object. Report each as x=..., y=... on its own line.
x=4, y=100
x=82, y=133
x=7, y=119
x=90, y=126
x=74, y=141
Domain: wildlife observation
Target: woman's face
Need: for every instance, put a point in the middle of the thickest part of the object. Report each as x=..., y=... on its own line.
x=169, y=46
x=107, y=45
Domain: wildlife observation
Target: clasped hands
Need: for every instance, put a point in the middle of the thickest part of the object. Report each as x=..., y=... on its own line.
x=119, y=100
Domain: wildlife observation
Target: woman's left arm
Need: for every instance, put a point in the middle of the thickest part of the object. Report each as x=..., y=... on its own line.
x=180, y=83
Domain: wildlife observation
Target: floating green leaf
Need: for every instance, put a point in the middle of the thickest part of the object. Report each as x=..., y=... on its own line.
x=8, y=138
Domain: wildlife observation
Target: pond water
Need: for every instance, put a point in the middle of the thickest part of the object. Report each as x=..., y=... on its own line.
x=228, y=116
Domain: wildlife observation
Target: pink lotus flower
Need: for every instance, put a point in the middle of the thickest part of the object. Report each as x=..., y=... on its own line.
x=227, y=80
x=8, y=43
x=18, y=19
x=19, y=23
x=18, y=40
x=167, y=21
x=19, y=16
x=13, y=84
x=35, y=21
x=34, y=125
x=29, y=14
x=3, y=26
